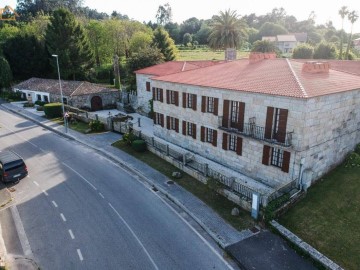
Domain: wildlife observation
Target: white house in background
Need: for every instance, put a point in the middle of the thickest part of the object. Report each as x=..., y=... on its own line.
x=274, y=120
x=287, y=43
x=357, y=44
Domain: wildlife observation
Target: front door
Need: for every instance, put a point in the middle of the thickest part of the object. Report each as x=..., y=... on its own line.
x=96, y=103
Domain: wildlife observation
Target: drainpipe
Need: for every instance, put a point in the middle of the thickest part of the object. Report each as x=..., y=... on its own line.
x=302, y=162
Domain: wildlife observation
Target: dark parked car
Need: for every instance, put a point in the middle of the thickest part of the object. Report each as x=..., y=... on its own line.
x=12, y=167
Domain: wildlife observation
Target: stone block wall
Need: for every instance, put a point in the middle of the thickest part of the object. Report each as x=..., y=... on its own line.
x=143, y=95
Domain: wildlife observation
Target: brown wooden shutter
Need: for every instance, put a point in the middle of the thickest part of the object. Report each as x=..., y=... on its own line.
x=168, y=122
x=194, y=102
x=225, y=120
x=216, y=106
x=202, y=135
x=203, y=104
x=154, y=118
x=176, y=98
x=184, y=100
x=153, y=90
x=148, y=86
x=177, y=125
x=162, y=120
x=239, y=142
x=168, y=96
x=286, y=162
x=281, y=132
x=161, y=95
x=194, y=131
x=266, y=155
x=269, y=122
x=214, y=142
x=225, y=141
x=184, y=128
x=241, y=116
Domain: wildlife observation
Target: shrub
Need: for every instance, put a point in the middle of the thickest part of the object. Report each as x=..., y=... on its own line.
x=40, y=103
x=357, y=149
x=270, y=210
x=29, y=105
x=129, y=138
x=40, y=108
x=352, y=160
x=96, y=125
x=139, y=145
x=53, y=110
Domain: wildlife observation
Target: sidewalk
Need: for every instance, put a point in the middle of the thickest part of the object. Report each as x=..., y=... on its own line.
x=224, y=234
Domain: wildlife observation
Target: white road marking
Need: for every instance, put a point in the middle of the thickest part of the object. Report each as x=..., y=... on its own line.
x=102, y=196
x=42, y=150
x=21, y=232
x=63, y=217
x=198, y=234
x=135, y=236
x=82, y=177
x=71, y=234
x=28, y=176
x=46, y=194
x=80, y=255
x=54, y=203
x=36, y=183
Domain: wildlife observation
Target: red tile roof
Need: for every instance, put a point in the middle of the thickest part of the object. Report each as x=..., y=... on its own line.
x=69, y=88
x=273, y=76
x=175, y=67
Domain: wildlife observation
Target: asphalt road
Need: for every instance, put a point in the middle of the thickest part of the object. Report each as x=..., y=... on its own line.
x=78, y=210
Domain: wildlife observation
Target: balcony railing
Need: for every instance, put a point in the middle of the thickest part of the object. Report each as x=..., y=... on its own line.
x=258, y=132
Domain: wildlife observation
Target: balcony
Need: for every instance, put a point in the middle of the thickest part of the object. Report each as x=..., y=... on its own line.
x=257, y=132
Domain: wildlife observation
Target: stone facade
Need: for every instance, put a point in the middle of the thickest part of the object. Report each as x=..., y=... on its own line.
x=324, y=129
x=143, y=96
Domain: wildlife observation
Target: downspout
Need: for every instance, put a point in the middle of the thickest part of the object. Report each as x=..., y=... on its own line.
x=302, y=162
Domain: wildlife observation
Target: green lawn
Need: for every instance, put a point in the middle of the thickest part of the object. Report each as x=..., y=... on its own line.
x=328, y=218
x=217, y=202
x=205, y=54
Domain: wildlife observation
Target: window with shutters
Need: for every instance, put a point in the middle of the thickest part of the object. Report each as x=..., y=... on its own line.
x=189, y=100
x=172, y=97
x=232, y=142
x=209, y=135
x=277, y=156
x=173, y=123
x=210, y=104
x=159, y=119
x=234, y=114
x=189, y=127
x=148, y=86
x=276, y=122
x=158, y=93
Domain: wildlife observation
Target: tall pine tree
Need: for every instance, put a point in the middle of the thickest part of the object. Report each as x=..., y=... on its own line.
x=165, y=44
x=66, y=38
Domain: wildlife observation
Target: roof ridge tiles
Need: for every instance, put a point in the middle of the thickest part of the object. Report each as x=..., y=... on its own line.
x=297, y=79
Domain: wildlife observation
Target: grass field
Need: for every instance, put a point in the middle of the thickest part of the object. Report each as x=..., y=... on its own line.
x=217, y=202
x=328, y=218
x=206, y=54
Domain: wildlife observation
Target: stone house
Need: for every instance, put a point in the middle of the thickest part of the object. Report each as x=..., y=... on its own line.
x=274, y=120
x=80, y=94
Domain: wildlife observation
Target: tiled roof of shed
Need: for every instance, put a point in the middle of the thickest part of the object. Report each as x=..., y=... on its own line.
x=69, y=88
x=273, y=76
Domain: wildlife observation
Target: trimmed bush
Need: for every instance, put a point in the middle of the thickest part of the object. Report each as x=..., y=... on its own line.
x=96, y=125
x=40, y=103
x=29, y=105
x=53, y=110
x=139, y=145
x=129, y=138
x=270, y=209
x=40, y=108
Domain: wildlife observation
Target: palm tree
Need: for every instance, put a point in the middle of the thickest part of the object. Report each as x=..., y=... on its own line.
x=227, y=30
x=352, y=16
x=342, y=12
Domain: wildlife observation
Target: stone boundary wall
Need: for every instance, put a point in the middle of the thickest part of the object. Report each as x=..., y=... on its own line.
x=316, y=255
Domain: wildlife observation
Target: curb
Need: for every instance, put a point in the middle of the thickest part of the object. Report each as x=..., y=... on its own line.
x=314, y=254
x=136, y=172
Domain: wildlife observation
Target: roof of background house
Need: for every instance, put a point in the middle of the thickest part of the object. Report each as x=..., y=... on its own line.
x=286, y=38
x=176, y=66
x=280, y=77
x=69, y=88
x=300, y=37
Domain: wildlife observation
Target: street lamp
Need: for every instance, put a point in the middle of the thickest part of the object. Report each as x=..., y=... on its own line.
x=61, y=93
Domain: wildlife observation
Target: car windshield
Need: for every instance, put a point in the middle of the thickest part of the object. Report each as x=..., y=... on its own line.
x=14, y=165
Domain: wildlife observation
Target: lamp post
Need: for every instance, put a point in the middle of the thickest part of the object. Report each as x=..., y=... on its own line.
x=61, y=93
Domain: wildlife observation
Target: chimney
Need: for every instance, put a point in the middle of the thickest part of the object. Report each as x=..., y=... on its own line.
x=230, y=54
x=255, y=57
x=316, y=67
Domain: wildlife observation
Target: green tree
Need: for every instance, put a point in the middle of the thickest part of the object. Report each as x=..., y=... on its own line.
x=7, y=32
x=227, y=30
x=165, y=44
x=5, y=73
x=187, y=38
x=264, y=46
x=66, y=38
x=145, y=57
x=140, y=40
x=352, y=16
x=303, y=51
x=202, y=35
x=98, y=40
x=174, y=31
x=342, y=12
x=164, y=14
x=271, y=29
x=27, y=57
x=325, y=51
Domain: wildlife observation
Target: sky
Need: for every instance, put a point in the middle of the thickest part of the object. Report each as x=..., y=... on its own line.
x=145, y=10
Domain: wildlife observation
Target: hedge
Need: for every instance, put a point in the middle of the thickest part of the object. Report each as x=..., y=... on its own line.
x=139, y=145
x=53, y=110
